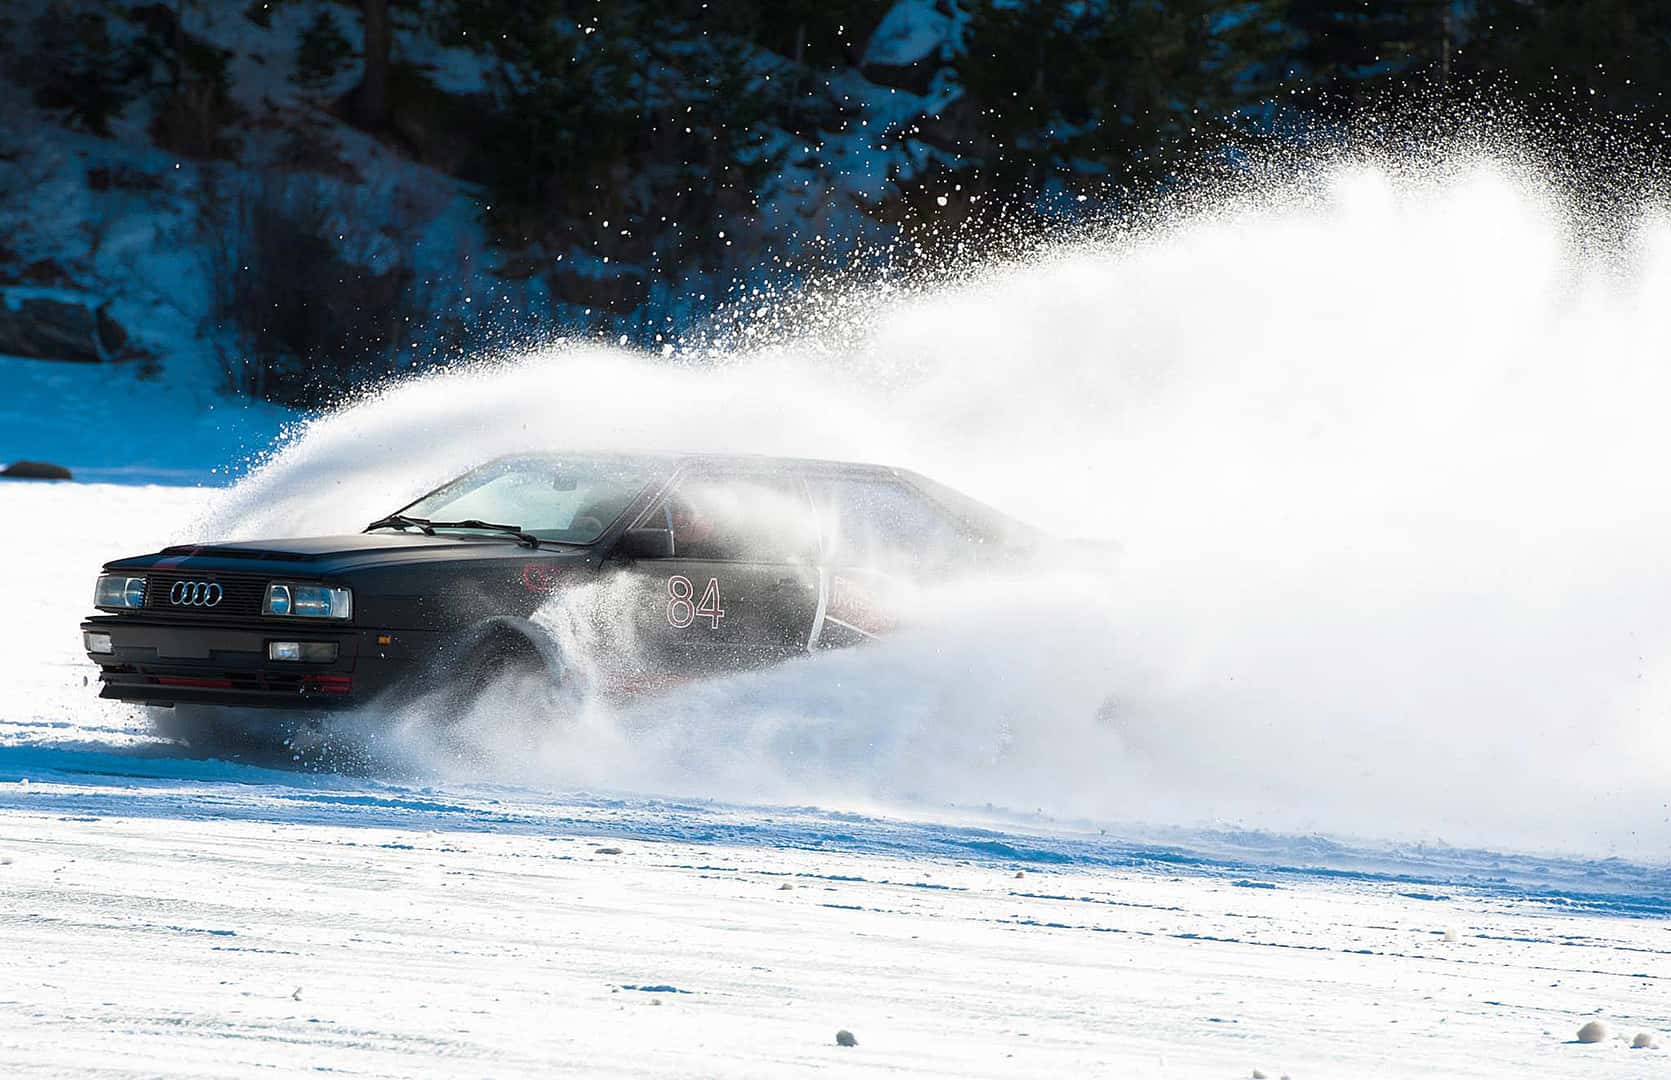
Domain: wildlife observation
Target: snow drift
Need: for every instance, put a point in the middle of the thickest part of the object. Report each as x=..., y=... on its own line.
x=1382, y=453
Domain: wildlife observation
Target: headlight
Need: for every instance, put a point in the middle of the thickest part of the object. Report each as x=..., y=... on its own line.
x=308, y=601
x=119, y=591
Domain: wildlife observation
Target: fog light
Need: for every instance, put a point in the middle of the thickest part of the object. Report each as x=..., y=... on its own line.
x=97, y=643
x=309, y=652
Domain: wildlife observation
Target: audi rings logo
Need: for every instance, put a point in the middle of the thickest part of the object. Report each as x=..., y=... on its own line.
x=195, y=594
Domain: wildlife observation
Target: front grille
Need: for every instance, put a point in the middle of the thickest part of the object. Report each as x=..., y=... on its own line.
x=241, y=595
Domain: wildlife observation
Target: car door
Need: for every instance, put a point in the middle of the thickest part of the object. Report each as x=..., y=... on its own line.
x=881, y=540
x=741, y=586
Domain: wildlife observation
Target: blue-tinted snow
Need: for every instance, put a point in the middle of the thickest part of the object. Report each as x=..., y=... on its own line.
x=154, y=780
x=111, y=426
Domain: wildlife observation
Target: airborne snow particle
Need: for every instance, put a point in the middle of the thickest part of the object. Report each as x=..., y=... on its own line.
x=1593, y=1032
x=845, y=1038
x=1644, y=1041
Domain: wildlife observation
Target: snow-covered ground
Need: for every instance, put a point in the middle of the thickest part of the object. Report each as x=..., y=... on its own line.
x=165, y=915
x=105, y=424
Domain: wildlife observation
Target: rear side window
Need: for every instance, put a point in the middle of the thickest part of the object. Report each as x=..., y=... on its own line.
x=884, y=525
x=737, y=518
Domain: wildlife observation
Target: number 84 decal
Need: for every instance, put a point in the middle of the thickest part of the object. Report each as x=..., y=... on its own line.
x=683, y=608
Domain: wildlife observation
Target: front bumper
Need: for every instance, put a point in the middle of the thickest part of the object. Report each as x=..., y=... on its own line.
x=162, y=662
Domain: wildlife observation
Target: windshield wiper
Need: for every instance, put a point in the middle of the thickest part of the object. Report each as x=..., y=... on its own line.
x=402, y=521
x=476, y=523
x=428, y=527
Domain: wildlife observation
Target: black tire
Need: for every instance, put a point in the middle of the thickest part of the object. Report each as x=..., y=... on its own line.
x=498, y=659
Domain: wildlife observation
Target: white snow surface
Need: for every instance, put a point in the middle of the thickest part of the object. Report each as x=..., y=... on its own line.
x=169, y=915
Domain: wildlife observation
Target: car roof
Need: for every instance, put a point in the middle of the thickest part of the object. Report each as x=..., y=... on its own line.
x=970, y=510
x=725, y=460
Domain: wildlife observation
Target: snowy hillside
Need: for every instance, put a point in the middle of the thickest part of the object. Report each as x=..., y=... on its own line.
x=280, y=250
x=114, y=222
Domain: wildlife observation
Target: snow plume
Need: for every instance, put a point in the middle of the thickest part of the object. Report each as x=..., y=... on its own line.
x=1382, y=455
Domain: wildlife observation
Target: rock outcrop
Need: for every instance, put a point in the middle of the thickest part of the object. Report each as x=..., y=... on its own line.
x=34, y=470
x=58, y=324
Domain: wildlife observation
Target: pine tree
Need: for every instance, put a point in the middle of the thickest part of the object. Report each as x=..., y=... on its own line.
x=1580, y=57
x=1345, y=50
x=1114, y=90
x=321, y=52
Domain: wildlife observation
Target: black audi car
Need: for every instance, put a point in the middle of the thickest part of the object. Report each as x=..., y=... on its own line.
x=714, y=562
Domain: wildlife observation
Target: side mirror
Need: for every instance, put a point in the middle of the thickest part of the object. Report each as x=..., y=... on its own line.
x=646, y=544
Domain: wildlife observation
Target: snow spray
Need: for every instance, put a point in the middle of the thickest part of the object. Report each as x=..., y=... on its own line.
x=1380, y=454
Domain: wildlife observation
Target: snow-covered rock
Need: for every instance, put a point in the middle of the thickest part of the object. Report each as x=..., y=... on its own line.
x=906, y=49
x=34, y=470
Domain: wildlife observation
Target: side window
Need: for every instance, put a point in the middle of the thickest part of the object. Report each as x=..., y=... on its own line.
x=738, y=519
x=884, y=525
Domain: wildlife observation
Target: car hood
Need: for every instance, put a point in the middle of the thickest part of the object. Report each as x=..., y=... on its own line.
x=304, y=548
x=329, y=554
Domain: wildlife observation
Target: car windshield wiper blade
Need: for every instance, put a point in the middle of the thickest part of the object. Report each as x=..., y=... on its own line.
x=402, y=521
x=428, y=527
x=476, y=523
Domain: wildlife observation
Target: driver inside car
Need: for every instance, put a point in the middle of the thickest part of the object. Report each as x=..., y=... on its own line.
x=691, y=528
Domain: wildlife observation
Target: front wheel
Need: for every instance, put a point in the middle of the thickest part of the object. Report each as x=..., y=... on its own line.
x=494, y=689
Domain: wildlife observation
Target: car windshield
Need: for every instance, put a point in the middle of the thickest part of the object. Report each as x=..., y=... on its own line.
x=570, y=500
